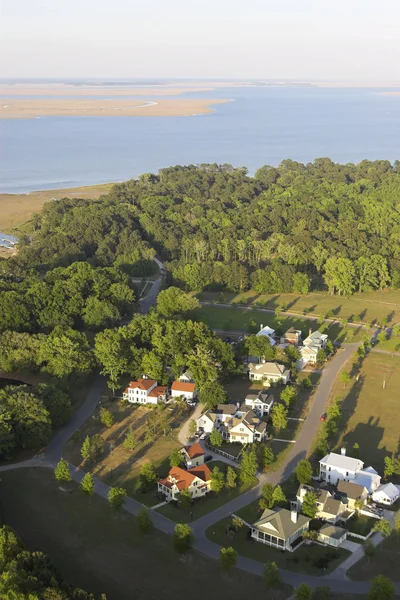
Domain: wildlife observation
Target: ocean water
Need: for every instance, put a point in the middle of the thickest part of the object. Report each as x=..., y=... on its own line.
x=263, y=125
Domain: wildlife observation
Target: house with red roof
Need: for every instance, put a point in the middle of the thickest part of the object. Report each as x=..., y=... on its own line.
x=145, y=391
x=183, y=389
x=196, y=480
x=193, y=455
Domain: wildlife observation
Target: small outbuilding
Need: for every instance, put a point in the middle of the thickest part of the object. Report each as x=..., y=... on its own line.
x=331, y=535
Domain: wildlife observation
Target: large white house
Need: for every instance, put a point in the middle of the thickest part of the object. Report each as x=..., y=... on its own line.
x=386, y=494
x=261, y=403
x=334, y=467
x=315, y=342
x=182, y=389
x=269, y=333
x=279, y=528
x=269, y=372
x=235, y=424
x=145, y=391
x=196, y=480
x=316, y=338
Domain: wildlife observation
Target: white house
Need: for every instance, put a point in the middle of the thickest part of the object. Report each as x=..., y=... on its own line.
x=279, y=528
x=234, y=424
x=309, y=354
x=387, y=493
x=267, y=332
x=315, y=342
x=334, y=467
x=316, y=338
x=197, y=480
x=145, y=391
x=186, y=377
x=261, y=403
x=329, y=508
x=193, y=455
x=181, y=389
x=269, y=372
x=292, y=336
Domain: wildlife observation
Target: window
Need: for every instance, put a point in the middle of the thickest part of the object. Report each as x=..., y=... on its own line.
x=241, y=428
x=347, y=473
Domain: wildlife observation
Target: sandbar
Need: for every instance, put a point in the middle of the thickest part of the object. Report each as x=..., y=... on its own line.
x=59, y=89
x=36, y=108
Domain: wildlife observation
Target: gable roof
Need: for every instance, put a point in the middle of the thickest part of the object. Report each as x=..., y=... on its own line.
x=333, y=506
x=268, y=368
x=352, y=490
x=280, y=522
x=341, y=461
x=185, y=478
x=316, y=336
x=194, y=450
x=142, y=384
x=322, y=495
x=226, y=409
x=158, y=391
x=181, y=386
x=390, y=490
x=260, y=398
x=268, y=331
x=332, y=531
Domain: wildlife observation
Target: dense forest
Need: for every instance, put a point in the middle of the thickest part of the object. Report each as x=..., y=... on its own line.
x=26, y=575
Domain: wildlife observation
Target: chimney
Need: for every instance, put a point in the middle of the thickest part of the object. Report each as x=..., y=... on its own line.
x=310, y=331
x=261, y=326
x=293, y=515
x=343, y=451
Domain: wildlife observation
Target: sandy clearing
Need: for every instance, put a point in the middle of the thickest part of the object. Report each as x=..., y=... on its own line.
x=95, y=90
x=33, y=108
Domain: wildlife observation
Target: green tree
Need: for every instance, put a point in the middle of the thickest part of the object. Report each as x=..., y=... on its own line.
x=174, y=301
x=278, y=496
x=112, y=352
x=216, y=438
x=176, y=458
x=345, y=377
x=383, y=527
x=217, y=480
x=303, y=471
x=182, y=538
x=279, y=417
x=381, y=589
x=340, y=276
x=192, y=427
x=381, y=337
x=272, y=575
x=288, y=395
x=267, y=496
x=144, y=521
x=309, y=506
x=116, y=498
x=228, y=558
x=301, y=283
x=267, y=457
x=248, y=465
x=65, y=352
x=231, y=477
x=306, y=384
x=369, y=550
x=237, y=523
x=62, y=472
x=396, y=523
x=303, y=592
x=130, y=441
x=106, y=417
x=85, y=449
x=185, y=499
x=87, y=484
x=147, y=476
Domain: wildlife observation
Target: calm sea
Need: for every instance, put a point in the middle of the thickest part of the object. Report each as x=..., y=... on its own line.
x=263, y=125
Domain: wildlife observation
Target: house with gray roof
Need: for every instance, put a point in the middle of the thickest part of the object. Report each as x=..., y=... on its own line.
x=330, y=509
x=335, y=467
x=269, y=372
x=332, y=535
x=280, y=528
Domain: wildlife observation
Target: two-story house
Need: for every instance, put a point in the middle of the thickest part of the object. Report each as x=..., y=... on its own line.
x=269, y=372
x=268, y=332
x=235, y=424
x=145, y=391
x=334, y=467
x=279, y=528
x=182, y=389
x=292, y=336
x=193, y=455
x=330, y=509
x=196, y=480
x=260, y=403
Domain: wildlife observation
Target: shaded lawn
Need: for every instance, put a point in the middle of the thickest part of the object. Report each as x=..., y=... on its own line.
x=119, y=466
x=302, y=560
x=207, y=504
x=385, y=561
x=369, y=306
x=392, y=344
x=97, y=551
x=361, y=524
x=370, y=414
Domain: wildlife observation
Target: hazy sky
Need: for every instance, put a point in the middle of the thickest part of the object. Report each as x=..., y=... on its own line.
x=297, y=39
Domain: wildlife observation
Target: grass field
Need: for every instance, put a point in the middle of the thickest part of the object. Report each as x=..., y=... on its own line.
x=17, y=209
x=370, y=414
x=385, y=561
x=250, y=320
x=103, y=553
x=209, y=502
x=369, y=306
x=118, y=466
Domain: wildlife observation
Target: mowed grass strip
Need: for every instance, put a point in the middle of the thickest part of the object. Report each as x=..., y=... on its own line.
x=250, y=320
x=369, y=306
x=119, y=466
x=370, y=409
x=103, y=553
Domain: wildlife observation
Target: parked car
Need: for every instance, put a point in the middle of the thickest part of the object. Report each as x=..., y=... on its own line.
x=204, y=436
x=323, y=417
x=207, y=458
x=227, y=340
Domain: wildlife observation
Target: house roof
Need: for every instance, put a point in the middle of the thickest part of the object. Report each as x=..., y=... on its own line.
x=158, y=391
x=185, y=478
x=367, y=477
x=268, y=331
x=261, y=397
x=352, y=490
x=181, y=386
x=316, y=336
x=322, y=495
x=279, y=522
x=142, y=384
x=186, y=375
x=332, y=531
x=293, y=331
x=332, y=506
x=341, y=461
x=268, y=368
x=194, y=450
x=226, y=409
x=389, y=490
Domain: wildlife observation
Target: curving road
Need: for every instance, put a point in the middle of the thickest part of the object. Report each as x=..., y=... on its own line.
x=53, y=452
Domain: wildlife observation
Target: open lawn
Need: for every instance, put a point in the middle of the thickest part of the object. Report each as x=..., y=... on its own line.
x=303, y=560
x=207, y=504
x=369, y=306
x=96, y=550
x=250, y=320
x=16, y=209
x=119, y=466
x=370, y=410
x=385, y=561
x=361, y=524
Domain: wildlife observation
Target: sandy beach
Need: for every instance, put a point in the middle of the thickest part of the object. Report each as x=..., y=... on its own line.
x=35, y=107
x=59, y=89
